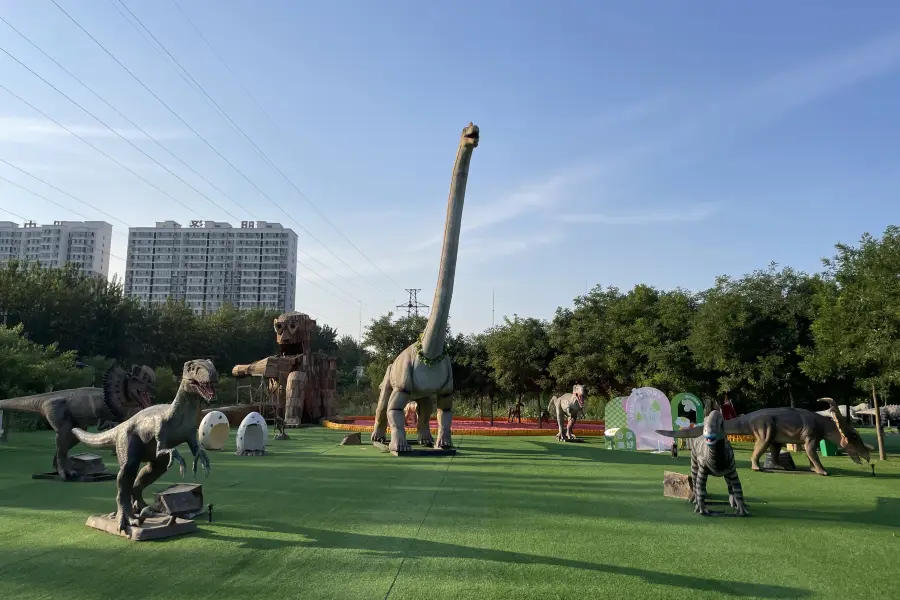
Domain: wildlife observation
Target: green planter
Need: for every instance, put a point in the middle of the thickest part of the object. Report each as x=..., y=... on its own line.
x=829, y=448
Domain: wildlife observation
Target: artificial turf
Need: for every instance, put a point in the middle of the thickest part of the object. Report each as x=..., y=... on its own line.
x=507, y=517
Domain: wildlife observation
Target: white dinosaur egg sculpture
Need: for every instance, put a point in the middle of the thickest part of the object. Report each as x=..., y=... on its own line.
x=252, y=435
x=213, y=430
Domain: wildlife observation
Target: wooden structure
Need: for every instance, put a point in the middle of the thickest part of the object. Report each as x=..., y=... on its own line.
x=297, y=385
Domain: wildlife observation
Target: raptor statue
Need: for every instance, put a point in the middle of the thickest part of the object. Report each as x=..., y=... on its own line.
x=121, y=393
x=774, y=427
x=152, y=436
x=569, y=406
x=712, y=454
x=422, y=371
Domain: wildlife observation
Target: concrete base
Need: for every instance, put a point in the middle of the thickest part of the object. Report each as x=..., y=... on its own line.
x=252, y=453
x=88, y=467
x=153, y=528
x=575, y=441
x=423, y=451
x=281, y=437
x=784, y=462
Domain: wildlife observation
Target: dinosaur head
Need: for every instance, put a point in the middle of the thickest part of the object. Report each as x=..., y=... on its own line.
x=851, y=442
x=290, y=330
x=141, y=385
x=470, y=136
x=713, y=427
x=578, y=394
x=201, y=378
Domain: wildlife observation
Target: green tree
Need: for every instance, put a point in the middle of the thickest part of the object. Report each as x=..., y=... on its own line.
x=387, y=338
x=519, y=353
x=857, y=330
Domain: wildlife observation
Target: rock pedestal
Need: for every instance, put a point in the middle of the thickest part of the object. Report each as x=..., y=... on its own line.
x=676, y=485
x=784, y=462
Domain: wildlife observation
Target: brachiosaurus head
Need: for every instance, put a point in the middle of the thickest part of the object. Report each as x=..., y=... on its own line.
x=200, y=377
x=470, y=135
x=851, y=441
x=578, y=394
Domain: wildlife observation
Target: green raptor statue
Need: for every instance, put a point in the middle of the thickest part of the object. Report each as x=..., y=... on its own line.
x=121, y=392
x=152, y=436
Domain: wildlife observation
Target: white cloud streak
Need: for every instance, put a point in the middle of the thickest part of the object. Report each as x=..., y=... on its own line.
x=43, y=131
x=685, y=215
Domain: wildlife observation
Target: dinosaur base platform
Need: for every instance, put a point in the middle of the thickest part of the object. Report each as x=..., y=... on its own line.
x=153, y=528
x=87, y=466
x=423, y=451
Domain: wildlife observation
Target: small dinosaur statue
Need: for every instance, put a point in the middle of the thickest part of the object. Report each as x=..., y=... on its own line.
x=423, y=371
x=152, y=436
x=712, y=455
x=569, y=405
x=774, y=427
x=120, y=393
x=889, y=414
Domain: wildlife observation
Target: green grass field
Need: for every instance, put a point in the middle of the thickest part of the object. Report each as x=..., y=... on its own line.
x=505, y=518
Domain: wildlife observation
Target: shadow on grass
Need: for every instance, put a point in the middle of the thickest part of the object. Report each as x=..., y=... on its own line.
x=396, y=547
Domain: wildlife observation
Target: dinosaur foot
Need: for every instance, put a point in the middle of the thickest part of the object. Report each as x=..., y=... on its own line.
x=379, y=436
x=399, y=446
x=444, y=444
x=426, y=441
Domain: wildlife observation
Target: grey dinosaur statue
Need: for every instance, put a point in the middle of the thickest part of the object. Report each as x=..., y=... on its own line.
x=152, y=436
x=774, y=427
x=712, y=454
x=120, y=393
x=889, y=414
x=422, y=371
x=569, y=406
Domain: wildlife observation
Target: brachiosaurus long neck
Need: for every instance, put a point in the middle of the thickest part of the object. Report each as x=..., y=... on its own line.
x=436, y=329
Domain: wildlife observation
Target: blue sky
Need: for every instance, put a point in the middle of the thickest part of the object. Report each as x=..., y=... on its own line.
x=622, y=142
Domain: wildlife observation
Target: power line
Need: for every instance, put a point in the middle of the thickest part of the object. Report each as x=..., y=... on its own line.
x=27, y=220
x=120, y=233
x=238, y=128
x=130, y=143
x=196, y=133
x=275, y=126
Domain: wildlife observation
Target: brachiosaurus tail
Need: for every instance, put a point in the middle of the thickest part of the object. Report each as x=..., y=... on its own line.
x=104, y=439
x=30, y=404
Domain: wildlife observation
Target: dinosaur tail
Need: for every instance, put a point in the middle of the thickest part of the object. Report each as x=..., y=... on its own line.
x=682, y=433
x=104, y=439
x=30, y=404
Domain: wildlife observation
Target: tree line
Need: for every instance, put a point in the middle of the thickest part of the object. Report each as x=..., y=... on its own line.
x=773, y=337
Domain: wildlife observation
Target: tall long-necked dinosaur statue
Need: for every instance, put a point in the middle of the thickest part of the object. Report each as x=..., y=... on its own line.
x=121, y=393
x=152, y=436
x=423, y=371
x=774, y=427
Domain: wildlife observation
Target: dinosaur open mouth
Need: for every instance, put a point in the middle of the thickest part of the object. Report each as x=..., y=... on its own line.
x=580, y=400
x=205, y=389
x=144, y=399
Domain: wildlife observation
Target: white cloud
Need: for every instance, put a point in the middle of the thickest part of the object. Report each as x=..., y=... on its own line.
x=698, y=213
x=27, y=130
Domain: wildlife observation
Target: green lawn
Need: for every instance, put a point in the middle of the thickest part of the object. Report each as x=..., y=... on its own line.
x=506, y=517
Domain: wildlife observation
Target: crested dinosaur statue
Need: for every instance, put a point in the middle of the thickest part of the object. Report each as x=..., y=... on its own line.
x=774, y=427
x=422, y=371
x=152, y=436
x=570, y=406
x=712, y=455
x=121, y=393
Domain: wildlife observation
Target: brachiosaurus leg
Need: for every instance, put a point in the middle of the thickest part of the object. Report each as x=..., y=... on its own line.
x=445, y=420
x=379, y=433
x=423, y=412
x=397, y=421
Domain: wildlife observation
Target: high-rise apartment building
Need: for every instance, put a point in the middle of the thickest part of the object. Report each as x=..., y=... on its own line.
x=83, y=243
x=210, y=263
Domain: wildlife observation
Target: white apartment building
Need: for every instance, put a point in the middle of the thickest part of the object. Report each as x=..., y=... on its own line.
x=83, y=243
x=210, y=263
